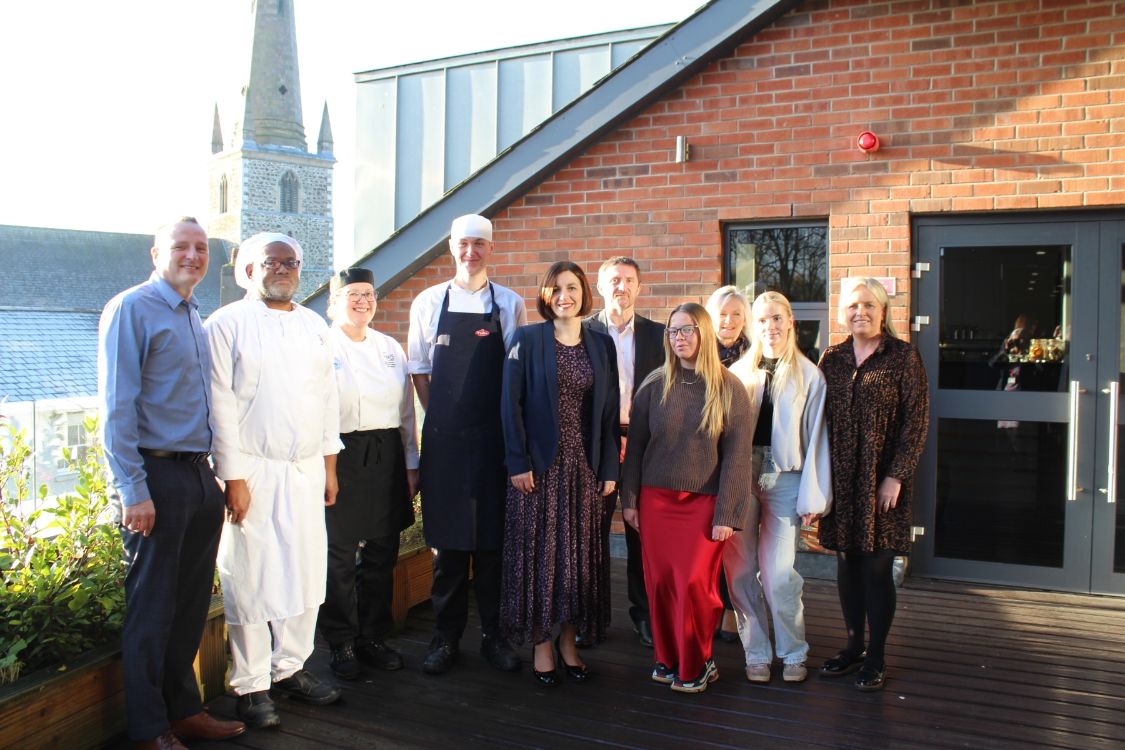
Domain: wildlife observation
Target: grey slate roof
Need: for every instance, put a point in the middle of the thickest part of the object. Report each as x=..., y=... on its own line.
x=53, y=286
x=47, y=354
x=79, y=270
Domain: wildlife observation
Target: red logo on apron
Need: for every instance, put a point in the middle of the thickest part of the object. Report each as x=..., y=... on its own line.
x=481, y=332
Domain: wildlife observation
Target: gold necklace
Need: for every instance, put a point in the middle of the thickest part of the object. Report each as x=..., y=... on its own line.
x=685, y=381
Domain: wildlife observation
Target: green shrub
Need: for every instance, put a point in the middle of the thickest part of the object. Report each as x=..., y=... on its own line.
x=62, y=564
x=411, y=537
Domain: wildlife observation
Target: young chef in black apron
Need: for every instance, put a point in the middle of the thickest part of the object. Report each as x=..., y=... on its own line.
x=463, y=478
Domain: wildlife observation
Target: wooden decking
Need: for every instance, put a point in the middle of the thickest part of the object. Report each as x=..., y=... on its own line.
x=970, y=667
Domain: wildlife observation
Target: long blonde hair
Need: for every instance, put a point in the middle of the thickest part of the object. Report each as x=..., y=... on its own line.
x=707, y=366
x=789, y=361
x=877, y=290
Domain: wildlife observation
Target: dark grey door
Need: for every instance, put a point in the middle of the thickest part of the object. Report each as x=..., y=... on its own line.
x=1020, y=329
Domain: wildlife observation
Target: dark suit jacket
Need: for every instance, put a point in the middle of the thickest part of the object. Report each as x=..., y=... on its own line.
x=648, y=343
x=530, y=405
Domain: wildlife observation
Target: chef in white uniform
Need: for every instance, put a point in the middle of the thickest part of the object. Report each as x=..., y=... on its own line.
x=276, y=422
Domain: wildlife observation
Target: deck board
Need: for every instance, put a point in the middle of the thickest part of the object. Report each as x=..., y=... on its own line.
x=970, y=667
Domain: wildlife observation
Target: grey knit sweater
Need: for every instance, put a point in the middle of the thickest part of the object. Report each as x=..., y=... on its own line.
x=666, y=449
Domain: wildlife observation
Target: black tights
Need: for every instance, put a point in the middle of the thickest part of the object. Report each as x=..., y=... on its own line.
x=867, y=595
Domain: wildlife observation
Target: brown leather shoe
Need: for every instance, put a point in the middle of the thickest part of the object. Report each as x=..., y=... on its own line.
x=203, y=726
x=166, y=741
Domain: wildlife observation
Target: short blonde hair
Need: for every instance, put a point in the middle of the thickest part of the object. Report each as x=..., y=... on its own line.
x=873, y=285
x=720, y=297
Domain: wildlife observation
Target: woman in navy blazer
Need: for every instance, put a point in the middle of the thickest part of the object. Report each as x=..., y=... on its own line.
x=562, y=441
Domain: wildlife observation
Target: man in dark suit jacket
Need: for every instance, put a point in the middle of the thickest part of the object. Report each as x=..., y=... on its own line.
x=640, y=350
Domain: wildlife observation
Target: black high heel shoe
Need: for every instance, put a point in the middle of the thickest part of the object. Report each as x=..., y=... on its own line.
x=546, y=679
x=578, y=674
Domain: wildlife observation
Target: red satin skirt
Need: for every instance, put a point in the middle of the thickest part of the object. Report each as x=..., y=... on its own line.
x=681, y=565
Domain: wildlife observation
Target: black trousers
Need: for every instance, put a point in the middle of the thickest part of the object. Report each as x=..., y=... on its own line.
x=634, y=567
x=450, y=591
x=635, y=576
x=359, y=590
x=167, y=592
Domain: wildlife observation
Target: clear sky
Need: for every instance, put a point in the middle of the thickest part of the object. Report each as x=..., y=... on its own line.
x=108, y=103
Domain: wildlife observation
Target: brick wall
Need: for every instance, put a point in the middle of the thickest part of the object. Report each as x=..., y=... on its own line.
x=981, y=106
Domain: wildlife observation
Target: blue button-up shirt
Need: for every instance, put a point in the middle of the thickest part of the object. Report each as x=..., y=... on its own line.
x=154, y=381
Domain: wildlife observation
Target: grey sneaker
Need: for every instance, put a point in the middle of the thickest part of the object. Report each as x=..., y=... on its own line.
x=795, y=672
x=758, y=673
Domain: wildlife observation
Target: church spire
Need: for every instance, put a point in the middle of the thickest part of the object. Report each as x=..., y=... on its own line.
x=273, y=96
x=216, y=133
x=324, y=141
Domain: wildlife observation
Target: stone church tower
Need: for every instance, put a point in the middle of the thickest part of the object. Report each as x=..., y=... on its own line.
x=264, y=178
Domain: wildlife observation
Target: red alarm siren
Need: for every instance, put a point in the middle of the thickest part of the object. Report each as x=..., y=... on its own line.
x=867, y=142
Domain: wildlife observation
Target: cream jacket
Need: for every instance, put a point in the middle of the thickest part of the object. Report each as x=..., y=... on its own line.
x=800, y=431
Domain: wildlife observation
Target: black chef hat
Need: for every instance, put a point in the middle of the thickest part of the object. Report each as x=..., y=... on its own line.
x=352, y=276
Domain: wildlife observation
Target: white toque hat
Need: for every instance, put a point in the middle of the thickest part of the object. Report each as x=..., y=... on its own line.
x=470, y=225
x=254, y=249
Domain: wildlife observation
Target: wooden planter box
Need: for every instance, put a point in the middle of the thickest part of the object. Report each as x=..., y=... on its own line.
x=84, y=706
x=413, y=575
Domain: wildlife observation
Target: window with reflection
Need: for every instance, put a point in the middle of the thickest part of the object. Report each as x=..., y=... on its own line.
x=1005, y=318
x=791, y=259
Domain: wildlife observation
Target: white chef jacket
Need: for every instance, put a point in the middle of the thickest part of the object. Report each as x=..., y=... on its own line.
x=376, y=392
x=426, y=308
x=276, y=416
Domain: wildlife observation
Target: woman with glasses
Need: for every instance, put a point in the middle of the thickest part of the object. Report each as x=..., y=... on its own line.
x=791, y=486
x=878, y=415
x=685, y=482
x=562, y=442
x=378, y=475
x=729, y=313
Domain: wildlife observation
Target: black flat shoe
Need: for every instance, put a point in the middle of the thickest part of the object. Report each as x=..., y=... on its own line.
x=870, y=678
x=578, y=674
x=841, y=664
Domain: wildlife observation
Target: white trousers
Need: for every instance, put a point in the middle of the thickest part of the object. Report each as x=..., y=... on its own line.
x=256, y=665
x=759, y=564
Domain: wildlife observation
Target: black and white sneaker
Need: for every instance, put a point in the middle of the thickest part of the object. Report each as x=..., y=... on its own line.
x=663, y=674
x=698, y=685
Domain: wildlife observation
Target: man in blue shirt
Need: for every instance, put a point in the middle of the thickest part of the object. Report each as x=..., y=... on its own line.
x=154, y=386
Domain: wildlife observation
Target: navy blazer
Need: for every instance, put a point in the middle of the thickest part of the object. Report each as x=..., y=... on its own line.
x=648, y=343
x=530, y=405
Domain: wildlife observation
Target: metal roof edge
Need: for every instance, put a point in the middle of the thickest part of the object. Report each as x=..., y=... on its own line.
x=519, y=50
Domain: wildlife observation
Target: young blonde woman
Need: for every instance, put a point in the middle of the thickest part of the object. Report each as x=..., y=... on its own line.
x=684, y=487
x=791, y=485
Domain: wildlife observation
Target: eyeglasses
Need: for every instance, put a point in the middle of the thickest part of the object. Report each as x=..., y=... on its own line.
x=357, y=296
x=274, y=263
x=686, y=331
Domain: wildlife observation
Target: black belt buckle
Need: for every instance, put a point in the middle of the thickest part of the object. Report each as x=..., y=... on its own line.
x=195, y=458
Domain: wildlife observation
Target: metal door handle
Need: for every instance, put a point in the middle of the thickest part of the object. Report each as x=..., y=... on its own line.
x=1110, y=489
x=1072, y=488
